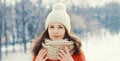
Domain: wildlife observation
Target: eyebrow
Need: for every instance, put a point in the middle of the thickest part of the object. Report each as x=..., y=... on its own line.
x=53, y=25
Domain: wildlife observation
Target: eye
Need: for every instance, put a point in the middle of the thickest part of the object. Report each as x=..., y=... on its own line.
x=51, y=26
x=61, y=27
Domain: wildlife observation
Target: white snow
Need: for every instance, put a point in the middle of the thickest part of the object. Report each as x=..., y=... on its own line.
x=103, y=47
x=19, y=56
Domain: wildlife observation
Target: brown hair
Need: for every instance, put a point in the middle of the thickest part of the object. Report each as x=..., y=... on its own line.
x=69, y=35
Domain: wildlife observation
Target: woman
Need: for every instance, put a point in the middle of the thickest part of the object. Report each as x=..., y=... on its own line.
x=57, y=27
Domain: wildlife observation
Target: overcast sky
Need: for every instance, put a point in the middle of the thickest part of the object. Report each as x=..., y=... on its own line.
x=91, y=3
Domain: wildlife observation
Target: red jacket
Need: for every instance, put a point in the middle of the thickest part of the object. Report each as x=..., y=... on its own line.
x=75, y=57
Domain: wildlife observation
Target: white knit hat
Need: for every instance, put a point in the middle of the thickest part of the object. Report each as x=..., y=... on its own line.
x=59, y=14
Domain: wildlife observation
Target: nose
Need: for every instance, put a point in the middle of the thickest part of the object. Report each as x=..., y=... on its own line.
x=56, y=31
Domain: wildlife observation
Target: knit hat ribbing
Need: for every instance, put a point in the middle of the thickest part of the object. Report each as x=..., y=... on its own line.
x=58, y=14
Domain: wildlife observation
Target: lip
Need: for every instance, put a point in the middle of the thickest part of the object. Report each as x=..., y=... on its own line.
x=55, y=36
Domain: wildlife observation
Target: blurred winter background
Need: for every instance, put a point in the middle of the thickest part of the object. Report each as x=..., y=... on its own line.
x=96, y=22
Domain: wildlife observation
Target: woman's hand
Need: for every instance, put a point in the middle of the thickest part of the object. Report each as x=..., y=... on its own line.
x=64, y=55
x=42, y=55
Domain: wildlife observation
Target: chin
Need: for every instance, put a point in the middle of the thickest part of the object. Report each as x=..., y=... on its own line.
x=56, y=39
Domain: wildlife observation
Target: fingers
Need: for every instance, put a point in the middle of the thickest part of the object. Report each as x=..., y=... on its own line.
x=46, y=58
x=42, y=53
x=63, y=53
x=66, y=50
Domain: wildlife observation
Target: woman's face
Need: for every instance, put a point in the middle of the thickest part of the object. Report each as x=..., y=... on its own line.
x=56, y=31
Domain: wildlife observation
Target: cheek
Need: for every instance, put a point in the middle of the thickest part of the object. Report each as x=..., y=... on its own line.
x=62, y=33
x=49, y=32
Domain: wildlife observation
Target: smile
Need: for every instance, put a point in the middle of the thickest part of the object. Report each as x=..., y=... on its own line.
x=56, y=36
